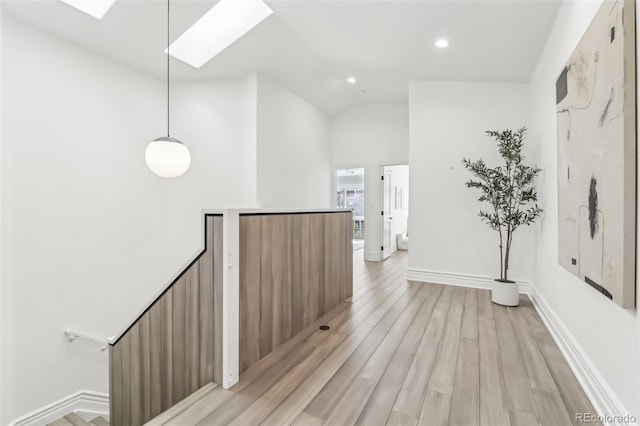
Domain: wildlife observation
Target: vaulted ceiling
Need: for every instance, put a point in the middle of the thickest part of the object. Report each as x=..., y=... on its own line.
x=312, y=46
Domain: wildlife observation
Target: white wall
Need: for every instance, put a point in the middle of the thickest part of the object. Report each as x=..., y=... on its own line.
x=89, y=234
x=292, y=149
x=606, y=333
x=370, y=136
x=210, y=117
x=250, y=155
x=1, y=271
x=447, y=123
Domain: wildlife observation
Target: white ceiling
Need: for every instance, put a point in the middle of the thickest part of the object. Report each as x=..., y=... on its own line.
x=312, y=46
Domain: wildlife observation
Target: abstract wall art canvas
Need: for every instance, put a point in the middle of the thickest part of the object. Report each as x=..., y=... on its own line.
x=596, y=119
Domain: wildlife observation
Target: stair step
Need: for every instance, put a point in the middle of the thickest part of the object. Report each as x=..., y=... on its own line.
x=99, y=421
x=72, y=419
x=61, y=422
x=181, y=406
x=75, y=420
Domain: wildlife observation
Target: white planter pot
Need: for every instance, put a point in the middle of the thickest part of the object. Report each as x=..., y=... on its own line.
x=505, y=293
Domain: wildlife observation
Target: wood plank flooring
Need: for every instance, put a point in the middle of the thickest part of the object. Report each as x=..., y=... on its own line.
x=404, y=353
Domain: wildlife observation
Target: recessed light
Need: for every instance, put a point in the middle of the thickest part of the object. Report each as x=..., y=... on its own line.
x=95, y=8
x=218, y=29
x=442, y=43
x=352, y=80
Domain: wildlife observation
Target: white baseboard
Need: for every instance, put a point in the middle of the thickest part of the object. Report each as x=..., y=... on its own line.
x=461, y=280
x=604, y=400
x=87, y=404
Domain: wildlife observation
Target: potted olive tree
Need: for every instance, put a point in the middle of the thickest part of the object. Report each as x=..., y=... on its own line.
x=510, y=192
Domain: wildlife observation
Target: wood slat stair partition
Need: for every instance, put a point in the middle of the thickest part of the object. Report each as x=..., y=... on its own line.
x=175, y=347
x=294, y=268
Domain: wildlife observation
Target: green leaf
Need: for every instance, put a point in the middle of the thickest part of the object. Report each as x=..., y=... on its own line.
x=508, y=188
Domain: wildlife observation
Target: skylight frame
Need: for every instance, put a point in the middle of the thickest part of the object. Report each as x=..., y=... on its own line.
x=223, y=25
x=94, y=8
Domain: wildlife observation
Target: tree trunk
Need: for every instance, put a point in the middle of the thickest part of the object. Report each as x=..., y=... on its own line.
x=501, y=257
x=506, y=256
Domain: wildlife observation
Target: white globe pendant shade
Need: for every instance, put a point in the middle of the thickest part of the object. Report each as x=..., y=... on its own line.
x=167, y=157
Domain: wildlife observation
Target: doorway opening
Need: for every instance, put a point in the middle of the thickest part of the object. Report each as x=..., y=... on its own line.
x=395, y=208
x=350, y=195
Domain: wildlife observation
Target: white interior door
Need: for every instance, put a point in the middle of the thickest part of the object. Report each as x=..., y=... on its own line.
x=386, y=213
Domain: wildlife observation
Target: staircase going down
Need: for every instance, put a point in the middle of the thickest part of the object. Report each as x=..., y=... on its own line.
x=72, y=419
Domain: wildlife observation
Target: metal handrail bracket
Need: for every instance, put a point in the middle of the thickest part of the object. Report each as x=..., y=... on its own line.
x=72, y=335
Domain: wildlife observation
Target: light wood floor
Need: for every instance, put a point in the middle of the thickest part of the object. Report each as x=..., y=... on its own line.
x=404, y=353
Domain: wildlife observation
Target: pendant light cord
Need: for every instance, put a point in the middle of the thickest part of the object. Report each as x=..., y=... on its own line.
x=168, y=72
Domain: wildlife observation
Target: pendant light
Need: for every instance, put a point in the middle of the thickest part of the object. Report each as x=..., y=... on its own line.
x=167, y=157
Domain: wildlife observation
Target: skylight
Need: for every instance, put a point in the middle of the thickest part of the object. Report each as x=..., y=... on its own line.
x=95, y=8
x=218, y=29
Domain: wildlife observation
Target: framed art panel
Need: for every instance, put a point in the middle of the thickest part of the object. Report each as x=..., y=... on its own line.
x=596, y=124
